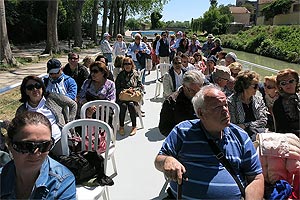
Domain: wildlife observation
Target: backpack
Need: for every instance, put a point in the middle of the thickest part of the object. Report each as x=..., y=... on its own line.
x=85, y=165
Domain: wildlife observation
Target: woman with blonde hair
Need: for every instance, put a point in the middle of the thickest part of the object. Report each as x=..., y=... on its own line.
x=119, y=47
x=286, y=108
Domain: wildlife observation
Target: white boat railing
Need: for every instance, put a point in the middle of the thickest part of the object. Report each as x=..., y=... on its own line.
x=250, y=66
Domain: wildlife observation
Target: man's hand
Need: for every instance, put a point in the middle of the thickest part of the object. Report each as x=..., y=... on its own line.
x=171, y=167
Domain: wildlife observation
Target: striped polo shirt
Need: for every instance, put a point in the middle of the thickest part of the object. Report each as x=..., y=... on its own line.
x=207, y=177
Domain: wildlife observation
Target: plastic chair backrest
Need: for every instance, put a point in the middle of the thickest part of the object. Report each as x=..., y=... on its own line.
x=89, y=130
x=102, y=107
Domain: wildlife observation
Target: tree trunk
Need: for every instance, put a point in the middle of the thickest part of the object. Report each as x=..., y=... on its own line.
x=123, y=17
x=116, y=18
x=111, y=17
x=52, y=37
x=95, y=20
x=104, y=17
x=77, y=23
x=6, y=56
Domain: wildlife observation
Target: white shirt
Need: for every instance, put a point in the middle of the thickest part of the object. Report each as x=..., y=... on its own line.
x=41, y=108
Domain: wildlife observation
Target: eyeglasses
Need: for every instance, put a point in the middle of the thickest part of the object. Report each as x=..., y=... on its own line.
x=255, y=86
x=31, y=87
x=269, y=87
x=126, y=63
x=31, y=147
x=95, y=71
x=284, y=83
x=164, y=35
x=177, y=63
x=73, y=59
x=54, y=73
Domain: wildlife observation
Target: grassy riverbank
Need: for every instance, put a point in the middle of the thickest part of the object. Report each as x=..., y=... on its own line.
x=279, y=42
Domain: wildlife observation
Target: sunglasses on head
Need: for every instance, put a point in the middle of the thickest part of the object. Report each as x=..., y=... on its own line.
x=32, y=86
x=95, y=71
x=126, y=63
x=31, y=147
x=284, y=83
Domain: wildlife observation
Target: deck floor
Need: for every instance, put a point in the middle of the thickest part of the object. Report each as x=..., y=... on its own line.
x=137, y=177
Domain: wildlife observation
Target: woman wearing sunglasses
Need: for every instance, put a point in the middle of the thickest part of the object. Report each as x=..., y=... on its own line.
x=286, y=109
x=58, y=108
x=97, y=87
x=247, y=110
x=128, y=78
x=32, y=174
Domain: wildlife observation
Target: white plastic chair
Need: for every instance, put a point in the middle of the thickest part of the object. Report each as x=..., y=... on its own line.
x=105, y=106
x=161, y=69
x=88, y=127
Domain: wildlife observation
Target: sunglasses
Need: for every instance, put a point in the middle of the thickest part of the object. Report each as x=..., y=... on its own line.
x=73, y=58
x=177, y=63
x=255, y=86
x=31, y=87
x=269, y=87
x=284, y=83
x=31, y=147
x=126, y=63
x=95, y=71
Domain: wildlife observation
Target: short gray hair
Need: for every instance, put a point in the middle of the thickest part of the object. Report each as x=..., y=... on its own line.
x=193, y=76
x=198, y=99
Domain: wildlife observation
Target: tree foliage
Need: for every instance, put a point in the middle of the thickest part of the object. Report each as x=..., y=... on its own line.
x=155, y=17
x=277, y=7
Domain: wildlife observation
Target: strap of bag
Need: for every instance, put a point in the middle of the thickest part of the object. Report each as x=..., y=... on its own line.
x=222, y=158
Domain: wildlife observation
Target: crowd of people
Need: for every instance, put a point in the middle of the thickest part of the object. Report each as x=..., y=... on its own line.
x=207, y=96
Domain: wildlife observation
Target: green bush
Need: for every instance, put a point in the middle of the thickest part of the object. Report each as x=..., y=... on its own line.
x=281, y=42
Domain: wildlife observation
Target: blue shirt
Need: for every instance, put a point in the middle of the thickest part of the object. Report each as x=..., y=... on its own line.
x=133, y=46
x=55, y=181
x=207, y=177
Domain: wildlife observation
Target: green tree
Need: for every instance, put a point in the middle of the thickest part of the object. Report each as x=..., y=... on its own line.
x=155, y=17
x=133, y=24
x=277, y=7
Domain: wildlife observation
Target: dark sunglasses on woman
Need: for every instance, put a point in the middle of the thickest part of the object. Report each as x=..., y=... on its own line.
x=32, y=86
x=31, y=147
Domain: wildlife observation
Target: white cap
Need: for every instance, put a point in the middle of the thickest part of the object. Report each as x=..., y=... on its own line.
x=106, y=35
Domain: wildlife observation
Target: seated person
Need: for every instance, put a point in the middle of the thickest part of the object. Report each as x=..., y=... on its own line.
x=220, y=76
x=97, y=87
x=128, y=78
x=178, y=106
x=53, y=105
x=59, y=82
x=103, y=59
x=186, y=63
x=32, y=174
x=75, y=70
x=172, y=80
x=270, y=95
x=248, y=110
x=186, y=151
x=210, y=65
x=286, y=108
x=117, y=65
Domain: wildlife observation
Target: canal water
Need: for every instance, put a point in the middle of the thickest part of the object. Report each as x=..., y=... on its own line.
x=264, y=61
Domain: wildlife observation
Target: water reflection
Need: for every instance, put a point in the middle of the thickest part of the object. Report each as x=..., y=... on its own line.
x=265, y=61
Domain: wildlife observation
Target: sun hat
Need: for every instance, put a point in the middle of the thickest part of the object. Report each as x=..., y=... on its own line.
x=210, y=36
x=137, y=35
x=222, y=72
x=106, y=35
x=179, y=33
x=231, y=55
x=213, y=59
x=53, y=66
x=217, y=40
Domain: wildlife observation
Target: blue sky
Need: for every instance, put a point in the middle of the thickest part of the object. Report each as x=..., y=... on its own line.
x=185, y=10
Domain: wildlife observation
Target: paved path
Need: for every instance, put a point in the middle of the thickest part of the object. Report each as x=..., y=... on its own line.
x=12, y=79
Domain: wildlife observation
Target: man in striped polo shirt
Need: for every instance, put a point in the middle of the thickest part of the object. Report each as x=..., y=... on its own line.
x=186, y=151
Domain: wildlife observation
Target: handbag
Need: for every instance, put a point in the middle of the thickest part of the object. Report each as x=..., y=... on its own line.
x=130, y=95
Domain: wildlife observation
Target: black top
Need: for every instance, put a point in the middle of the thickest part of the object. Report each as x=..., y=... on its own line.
x=80, y=74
